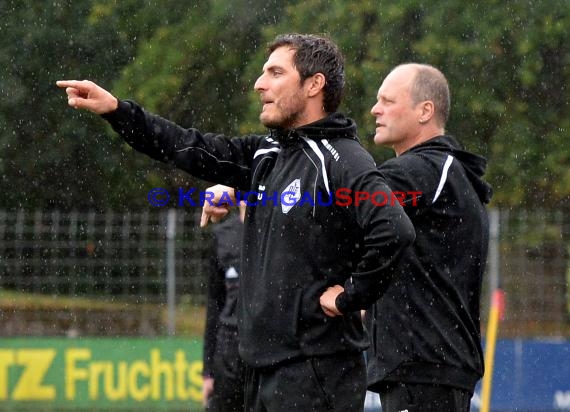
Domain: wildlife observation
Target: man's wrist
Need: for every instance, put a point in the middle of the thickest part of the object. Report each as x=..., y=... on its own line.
x=340, y=302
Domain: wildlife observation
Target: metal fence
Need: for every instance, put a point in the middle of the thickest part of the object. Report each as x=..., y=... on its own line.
x=106, y=273
x=533, y=271
x=113, y=269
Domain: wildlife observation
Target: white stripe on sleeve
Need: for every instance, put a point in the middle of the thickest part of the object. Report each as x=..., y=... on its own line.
x=443, y=178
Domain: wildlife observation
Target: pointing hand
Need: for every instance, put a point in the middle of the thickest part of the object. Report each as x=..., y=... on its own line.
x=84, y=94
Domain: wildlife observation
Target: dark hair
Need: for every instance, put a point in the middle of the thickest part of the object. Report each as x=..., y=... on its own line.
x=430, y=84
x=316, y=54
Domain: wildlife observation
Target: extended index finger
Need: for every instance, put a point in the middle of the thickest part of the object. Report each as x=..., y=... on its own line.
x=78, y=84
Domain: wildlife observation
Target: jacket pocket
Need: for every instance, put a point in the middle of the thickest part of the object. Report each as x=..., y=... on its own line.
x=291, y=307
x=278, y=321
x=319, y=379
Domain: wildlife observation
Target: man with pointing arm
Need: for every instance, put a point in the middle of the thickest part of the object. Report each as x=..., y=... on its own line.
x=292, y=252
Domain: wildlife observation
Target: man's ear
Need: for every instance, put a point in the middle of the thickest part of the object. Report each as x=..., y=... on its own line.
x=316, y=83
x=427, y=111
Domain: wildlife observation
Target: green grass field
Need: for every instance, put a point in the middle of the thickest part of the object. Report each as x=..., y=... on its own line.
x=190, y=317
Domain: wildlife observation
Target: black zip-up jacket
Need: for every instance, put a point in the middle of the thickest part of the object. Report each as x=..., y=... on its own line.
x=223, y=284
x=426, y=326
x=296, y=248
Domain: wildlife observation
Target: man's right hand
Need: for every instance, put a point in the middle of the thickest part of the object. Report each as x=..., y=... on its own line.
x=84, y=94
x=214, y=210
x=207, y=390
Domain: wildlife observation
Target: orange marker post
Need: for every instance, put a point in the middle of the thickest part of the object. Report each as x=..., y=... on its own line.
x=496, y=314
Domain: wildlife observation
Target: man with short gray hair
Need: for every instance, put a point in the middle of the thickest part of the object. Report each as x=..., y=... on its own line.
x=426, y=354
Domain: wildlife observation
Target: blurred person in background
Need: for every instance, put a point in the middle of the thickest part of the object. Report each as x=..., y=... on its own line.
x=224, y=371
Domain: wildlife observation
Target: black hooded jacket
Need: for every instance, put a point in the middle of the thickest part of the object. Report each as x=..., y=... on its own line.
x=426, y=326
x=297, y=240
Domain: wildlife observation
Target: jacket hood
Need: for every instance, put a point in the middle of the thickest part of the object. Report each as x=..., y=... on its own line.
x=473, y=164
x=335, y=125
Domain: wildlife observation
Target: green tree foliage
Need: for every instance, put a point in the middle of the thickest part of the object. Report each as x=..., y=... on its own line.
x=196, y=62
x=192, y=72
x=508, y=64
x=53, y=157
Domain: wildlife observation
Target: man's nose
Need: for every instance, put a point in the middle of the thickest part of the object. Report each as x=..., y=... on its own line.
x=259, y=84
x=374, y=110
